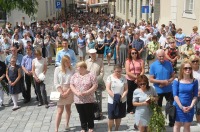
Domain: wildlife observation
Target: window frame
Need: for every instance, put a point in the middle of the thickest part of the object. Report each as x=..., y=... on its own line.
x=187, y=13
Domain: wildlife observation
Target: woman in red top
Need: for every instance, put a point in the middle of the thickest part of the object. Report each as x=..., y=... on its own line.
x=134, y=66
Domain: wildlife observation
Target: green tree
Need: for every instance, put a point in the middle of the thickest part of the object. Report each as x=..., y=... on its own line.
x=27, y=6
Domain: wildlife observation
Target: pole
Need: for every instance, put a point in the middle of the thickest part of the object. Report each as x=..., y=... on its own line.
x=66, y=10
x=114, y=9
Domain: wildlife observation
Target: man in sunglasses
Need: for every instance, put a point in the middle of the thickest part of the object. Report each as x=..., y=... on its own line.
x=162, y=75
x=187, y=49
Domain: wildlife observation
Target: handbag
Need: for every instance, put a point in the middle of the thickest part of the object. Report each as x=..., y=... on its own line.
x=170, y=109
x=54, y=96
x=97, y=113
x=150, y=57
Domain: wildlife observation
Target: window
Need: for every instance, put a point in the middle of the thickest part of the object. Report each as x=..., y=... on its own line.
x=189, y=6
x=188, y=11
x=124, y=6
x=2, y=15
x=120, y=6
x=131, y=8
x=47, y=10
x=50, y=4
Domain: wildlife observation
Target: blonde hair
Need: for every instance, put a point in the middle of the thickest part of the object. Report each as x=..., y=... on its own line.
x=81, y=64
x=38, y=52
x=195, y=27
x=193, y=57
x=65, y=59
x=186, y=61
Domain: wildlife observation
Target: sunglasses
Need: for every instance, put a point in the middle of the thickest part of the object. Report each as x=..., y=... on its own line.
x=195, y=61
x=187, y=68
x=134, y=53
x=142, y=84
x=187, y=40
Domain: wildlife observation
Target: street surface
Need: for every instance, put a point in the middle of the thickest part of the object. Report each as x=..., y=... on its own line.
x=31, y=118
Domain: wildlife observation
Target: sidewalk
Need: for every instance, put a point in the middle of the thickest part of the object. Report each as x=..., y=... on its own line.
x=31, y=118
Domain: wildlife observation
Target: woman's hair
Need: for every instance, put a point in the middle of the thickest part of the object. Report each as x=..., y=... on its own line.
x=38, y=52
x=197, y=38
x=154, y=38
x=129, y=54
x=117, y=66
x=193, y=57
x=143, y=78
x=181, y=73
x=81, y=64
x=65, y=59
x=195, y=28
x=179, y=29
x=171, y=40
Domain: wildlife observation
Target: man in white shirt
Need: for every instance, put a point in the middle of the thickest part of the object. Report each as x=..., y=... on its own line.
x=163, y=39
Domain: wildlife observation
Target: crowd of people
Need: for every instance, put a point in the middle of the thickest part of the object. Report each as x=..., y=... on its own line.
x=144, y=48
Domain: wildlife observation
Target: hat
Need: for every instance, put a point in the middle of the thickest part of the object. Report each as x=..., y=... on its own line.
x=92, y=51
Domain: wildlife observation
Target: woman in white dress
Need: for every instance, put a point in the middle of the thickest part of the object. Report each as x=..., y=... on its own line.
x=62, y=75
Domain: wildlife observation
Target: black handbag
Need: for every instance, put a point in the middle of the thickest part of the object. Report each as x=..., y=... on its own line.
x=97, y=112
x=150, y=57
x=198, y=106
x=170, y=109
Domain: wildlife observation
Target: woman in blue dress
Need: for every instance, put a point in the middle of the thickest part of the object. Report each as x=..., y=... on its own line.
x=180, y=37
x=185, y=92
x=109, y=46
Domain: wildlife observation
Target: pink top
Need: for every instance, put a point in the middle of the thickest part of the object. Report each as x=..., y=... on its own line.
x=83, y=83
x=135, y=67
x=197, y=49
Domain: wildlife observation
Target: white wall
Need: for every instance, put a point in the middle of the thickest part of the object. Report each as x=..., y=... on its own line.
x=16, y=15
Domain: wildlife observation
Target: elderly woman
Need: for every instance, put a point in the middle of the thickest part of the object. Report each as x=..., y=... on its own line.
x=39, y=69
x=196, y=73
x=117, y=89
x=140, y=97
x=62, y=77
x=185, y=93
x=38, y=42
x=194, y=34
x=83, y=84
x=48, y=42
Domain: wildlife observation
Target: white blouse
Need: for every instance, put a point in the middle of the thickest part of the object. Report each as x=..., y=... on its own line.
x=61, y=78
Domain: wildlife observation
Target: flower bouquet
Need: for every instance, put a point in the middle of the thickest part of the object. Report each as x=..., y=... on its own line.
x=157, y=120
x=5, y=86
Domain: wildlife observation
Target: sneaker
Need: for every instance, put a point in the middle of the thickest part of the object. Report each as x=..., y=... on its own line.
x=15, y=108
x=46, y=106
x=2, y=105
x=136, y=127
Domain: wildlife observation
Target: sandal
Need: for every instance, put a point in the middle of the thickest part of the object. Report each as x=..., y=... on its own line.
x=90, y=130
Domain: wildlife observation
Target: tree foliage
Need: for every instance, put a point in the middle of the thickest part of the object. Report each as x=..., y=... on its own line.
x=27, y=6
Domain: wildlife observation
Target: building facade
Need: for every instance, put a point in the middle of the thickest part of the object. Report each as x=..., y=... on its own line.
x=46, y=10
x=183, y=13
x=132, y=9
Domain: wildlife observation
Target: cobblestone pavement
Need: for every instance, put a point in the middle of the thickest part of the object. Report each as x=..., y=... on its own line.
x=31, y=118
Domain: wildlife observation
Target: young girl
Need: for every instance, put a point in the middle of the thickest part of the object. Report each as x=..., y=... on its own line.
x=13, y=75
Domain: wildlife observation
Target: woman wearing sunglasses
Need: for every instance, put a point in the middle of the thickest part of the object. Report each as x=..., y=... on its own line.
x=134, y=67
x=185, y=92
x=196, y=73
x=140, y=100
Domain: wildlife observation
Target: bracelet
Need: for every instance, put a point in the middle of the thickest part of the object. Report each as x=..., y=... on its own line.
x=181, y=107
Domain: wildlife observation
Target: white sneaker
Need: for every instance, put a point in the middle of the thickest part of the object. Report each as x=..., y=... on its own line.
x=198, y=124
x=15, y=108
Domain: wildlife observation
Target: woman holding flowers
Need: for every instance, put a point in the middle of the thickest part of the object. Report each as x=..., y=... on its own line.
x=141, y=99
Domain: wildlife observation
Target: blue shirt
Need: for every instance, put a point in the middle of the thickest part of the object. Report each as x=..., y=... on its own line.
x=138, y=44
x=19, y=59
x=67, y=52
x=161, y=71
x=27, y=62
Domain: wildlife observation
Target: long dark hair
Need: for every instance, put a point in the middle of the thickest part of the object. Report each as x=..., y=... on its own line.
x=129, y=54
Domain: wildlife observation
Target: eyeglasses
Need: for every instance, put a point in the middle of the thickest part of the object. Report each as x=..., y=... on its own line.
x=134, y=53
x=118, y=71
x=195, y=61
x=187, y=68
x=142, y=84
x=187, y=40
